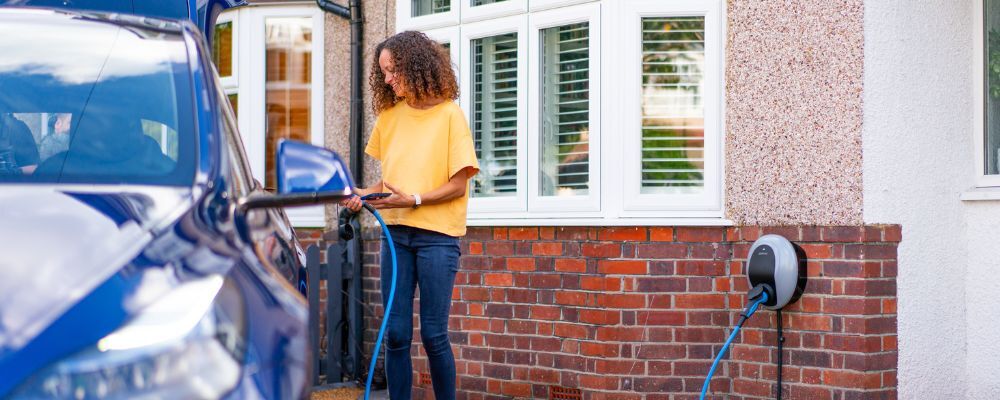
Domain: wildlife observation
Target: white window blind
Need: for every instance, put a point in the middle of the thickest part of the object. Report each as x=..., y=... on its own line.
x=565, y=118
x=427, y=7
x=495, y=114
x=673, y=115
x=485, y=2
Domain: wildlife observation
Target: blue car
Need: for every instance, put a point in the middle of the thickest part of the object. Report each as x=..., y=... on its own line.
x=140, y=259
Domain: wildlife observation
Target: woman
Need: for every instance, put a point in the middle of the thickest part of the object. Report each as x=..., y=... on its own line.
x=425, y=148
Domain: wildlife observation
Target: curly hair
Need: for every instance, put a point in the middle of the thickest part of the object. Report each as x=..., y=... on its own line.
x=424, y=66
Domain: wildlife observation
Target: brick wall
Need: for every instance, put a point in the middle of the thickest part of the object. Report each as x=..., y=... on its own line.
x=638, y=313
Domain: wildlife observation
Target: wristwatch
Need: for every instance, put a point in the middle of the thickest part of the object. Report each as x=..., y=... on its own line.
x=416, y=200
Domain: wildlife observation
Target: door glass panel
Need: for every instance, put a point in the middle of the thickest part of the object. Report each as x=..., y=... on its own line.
x=222, y=48
x=288, y=85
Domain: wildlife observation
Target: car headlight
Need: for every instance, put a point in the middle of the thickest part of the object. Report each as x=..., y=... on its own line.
x=189, y=344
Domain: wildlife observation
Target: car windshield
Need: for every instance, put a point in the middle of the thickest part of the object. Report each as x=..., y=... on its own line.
x=83, y=100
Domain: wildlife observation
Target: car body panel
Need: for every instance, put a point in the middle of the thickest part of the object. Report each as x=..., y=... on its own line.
x=130, y=244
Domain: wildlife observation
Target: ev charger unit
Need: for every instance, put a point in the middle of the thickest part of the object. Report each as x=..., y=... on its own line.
x=774, y=263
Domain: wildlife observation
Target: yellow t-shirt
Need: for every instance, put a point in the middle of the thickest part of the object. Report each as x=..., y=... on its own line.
x=420, y=150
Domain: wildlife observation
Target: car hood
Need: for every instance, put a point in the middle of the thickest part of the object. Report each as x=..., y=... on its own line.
x=60, y=244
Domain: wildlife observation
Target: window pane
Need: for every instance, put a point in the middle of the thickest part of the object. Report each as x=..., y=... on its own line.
x=222, y=48
x=991, y=143
x=234, y=101
x=427, y=7
x=494, y=118
x=565, y=118
x=288, y=87
x=484, y=2
x=673, y=141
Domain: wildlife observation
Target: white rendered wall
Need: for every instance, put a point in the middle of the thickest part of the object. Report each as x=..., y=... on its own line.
x=918, y=151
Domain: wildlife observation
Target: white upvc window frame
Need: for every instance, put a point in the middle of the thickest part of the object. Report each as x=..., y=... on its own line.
x=405, y=21
x=983, y=180
x=634, y=203
x=539, y=5
x=569, y=206
x=470, y=13
x=250, y=70
x=484, y=206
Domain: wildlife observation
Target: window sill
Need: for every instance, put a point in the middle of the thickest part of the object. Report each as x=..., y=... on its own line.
x=600, y=222
x=981, y=194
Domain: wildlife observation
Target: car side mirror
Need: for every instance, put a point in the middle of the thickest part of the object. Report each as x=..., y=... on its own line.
x=307, y=175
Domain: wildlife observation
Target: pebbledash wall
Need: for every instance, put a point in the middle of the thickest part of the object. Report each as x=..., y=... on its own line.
x=638, y=312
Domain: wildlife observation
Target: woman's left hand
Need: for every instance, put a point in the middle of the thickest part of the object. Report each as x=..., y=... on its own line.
x=398, y=199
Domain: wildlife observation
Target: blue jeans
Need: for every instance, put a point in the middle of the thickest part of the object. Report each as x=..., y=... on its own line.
x=429, y=259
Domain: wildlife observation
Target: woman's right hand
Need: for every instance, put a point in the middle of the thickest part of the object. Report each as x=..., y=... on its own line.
x=353, y=203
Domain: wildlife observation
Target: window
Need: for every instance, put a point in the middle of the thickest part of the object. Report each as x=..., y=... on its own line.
x=988, y=140
x=590, y=111
x=277, y=74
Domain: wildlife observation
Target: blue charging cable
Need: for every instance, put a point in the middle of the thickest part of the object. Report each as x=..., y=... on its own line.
x=749, y=311
x=388, y=304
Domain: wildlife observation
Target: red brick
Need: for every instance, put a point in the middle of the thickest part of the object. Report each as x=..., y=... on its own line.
x=888, y=306
x=621, y=300
x=700, y=301
x=605, y=350
x=475, y=294
x=522, y=327
x=498, y=279
x=847, y=269
x=810, y=322
x=653, y=318
x=635, y=234
x=546, y=249
x=619, y=334
x=475, y=324
x=752, y=388
x=571, y=233
x=621, y=267
x=662, y=351
x=701, y=268
x=570, y=331
x=600, y=317
x=789, y=232
x=850, y=379
x=571, y=298
x=516, y=389
x=600, y=283
x=809, y=392
x=816, y=251
x=499, y=248
x=848, y=234
x=851, y=306
x=570, y=265
x=543, y=375
x=601, y=250
x=598, y=382
x=892, y=233
x=523, y=233
x=699, y=234
x=520, y=264
x=662, y=251
x=499, y=233
x=620, y=367
x=475, y=248
x=659, y=234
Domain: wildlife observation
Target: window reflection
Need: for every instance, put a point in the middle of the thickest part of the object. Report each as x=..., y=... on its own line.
x=288, y=86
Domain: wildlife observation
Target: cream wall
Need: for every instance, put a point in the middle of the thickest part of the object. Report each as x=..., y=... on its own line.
x=919, y=130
